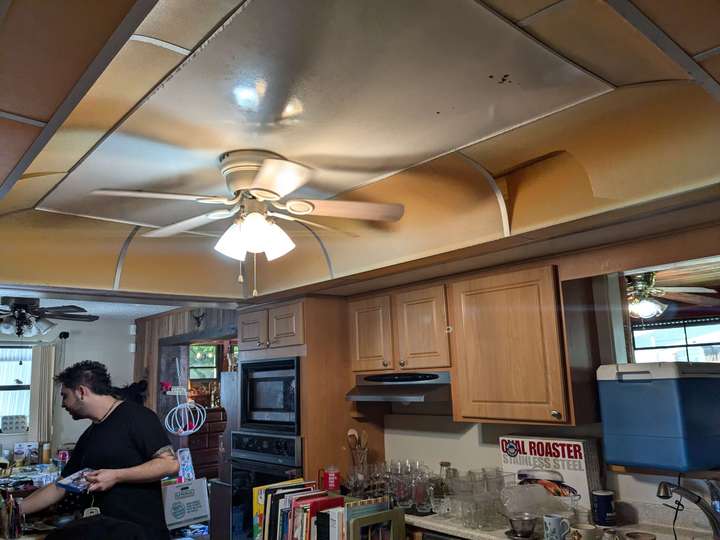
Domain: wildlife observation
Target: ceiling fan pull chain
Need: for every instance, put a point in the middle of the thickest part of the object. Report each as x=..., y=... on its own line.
x=254, y=274
x=240, y=275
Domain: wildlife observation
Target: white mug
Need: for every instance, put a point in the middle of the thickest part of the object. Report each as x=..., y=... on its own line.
x=587, y=531
x=556, y=527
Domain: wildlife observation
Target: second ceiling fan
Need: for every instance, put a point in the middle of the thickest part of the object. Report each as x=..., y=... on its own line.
x=258, y=182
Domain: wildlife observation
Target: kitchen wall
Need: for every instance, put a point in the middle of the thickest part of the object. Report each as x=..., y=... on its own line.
x=107, y=341
x=471, y=446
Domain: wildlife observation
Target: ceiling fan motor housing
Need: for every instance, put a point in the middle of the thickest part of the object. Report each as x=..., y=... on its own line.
x=27, y=303
x=239, y=167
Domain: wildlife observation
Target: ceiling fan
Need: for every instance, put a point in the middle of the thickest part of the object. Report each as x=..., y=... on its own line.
x=642, y=294
x=258, y=182
x=25, y=317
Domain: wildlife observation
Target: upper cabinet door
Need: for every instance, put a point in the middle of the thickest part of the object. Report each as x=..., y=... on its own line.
x=421, y=330
x=253, y=330
x=285, y=325
x=507, y=349
x=371, y=334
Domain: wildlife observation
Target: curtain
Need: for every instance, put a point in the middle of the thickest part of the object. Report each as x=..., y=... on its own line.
x=43, y=391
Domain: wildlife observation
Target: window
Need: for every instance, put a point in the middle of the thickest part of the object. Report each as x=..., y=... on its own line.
x=203, y=362
x=15, y=373
x=692, y=340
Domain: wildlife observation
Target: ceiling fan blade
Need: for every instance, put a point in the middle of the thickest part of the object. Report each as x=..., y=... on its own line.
x=38, y=174
x=307, y=222
x=191, y=223
x=277, y=178
x=346, y=209
x=139, y=194
x=696, y=299
x=64, y=309
x=71, y=317
x=687, y=289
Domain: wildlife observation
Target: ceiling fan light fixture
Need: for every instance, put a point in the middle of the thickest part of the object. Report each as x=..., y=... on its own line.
x=255, y=231
x=279, y=243
x=231, y=243
x=30, y=330
x=646, y=308
x=44, y=325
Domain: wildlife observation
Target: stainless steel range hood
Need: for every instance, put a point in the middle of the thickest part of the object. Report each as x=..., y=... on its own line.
x=420, y=387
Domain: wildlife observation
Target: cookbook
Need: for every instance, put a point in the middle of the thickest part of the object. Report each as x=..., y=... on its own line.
x=564, y=467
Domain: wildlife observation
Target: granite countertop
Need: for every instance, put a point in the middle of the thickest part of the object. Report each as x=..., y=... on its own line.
x=454, y=527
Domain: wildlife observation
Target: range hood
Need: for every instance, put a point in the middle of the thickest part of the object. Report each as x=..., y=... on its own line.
x=425, y=387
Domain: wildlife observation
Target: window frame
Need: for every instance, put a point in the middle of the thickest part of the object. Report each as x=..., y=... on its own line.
x=217, y=366
x=18, y=387
x=679, y=323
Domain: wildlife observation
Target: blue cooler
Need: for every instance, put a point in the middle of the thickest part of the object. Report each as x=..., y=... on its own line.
x=661, y=415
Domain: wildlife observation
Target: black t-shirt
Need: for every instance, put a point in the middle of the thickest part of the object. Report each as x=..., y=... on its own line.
x=128, y=437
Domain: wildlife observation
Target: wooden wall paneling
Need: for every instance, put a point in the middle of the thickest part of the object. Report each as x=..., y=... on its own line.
x=325, y=378
x=582, y=349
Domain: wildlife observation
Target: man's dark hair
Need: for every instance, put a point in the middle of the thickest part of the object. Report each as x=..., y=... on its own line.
x=94, y=375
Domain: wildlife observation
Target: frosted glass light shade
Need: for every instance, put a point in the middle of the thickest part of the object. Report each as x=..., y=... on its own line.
x=44, y=325
x=231, y=243
x=279, y=243
x=647, y=308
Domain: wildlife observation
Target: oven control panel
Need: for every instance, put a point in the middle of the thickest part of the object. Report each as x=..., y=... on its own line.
x=280, y=449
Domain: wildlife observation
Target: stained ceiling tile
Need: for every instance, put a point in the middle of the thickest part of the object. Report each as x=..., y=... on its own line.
x=184, y=22
x=46, y=46
x=15, y=139
x=592, y=34
x=692, y=24
x=517, y=11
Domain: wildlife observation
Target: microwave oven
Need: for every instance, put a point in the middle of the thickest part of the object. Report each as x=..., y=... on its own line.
x=269, y=395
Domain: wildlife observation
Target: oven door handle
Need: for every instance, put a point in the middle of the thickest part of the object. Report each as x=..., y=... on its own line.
x=267, y=468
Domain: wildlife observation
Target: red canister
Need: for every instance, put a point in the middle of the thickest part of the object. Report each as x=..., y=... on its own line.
x=329, y=478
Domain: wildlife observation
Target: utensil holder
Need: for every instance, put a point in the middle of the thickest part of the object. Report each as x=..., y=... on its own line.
x=359, y=456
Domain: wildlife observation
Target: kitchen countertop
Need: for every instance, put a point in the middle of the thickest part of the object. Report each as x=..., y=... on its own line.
x=454, y=527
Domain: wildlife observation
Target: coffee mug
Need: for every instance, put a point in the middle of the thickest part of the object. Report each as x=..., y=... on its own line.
x=556, y=527
x=587, y=531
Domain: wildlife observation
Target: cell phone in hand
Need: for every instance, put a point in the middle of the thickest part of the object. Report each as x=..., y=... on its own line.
x=76, y=482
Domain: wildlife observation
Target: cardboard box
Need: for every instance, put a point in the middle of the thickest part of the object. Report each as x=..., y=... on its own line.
x=186, y=504
x=564, y=467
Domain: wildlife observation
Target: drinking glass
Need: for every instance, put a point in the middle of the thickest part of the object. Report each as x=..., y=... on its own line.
x=469, y=513
x=421, y=493
x=402, y=489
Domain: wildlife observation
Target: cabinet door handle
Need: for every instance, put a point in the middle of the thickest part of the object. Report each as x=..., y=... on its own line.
x=267, y=343
x=402, y=363
x=386, y=363
x=448, y=329
x=557, y=415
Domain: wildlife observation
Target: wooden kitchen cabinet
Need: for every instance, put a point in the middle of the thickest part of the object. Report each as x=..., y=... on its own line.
x=285, y=325
x=279, y=326
x=252, y=330
x=507, y=349
x=420, y=328
x=371, y=346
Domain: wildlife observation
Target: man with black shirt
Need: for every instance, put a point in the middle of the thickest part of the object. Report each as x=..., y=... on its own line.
x=126, y=445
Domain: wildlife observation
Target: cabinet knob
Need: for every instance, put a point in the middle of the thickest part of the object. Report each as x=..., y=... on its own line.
x=386, y=363
x=557, y=415
x=267, y=343
x=402, y=363
x=260, y=343
x=448, y=329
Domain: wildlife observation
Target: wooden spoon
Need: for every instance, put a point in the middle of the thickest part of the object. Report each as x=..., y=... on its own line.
x=363, y=439
x=352, y=438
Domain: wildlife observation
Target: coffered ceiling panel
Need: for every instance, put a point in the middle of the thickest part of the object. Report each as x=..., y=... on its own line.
x=132, y=74
x=185, y=22
x=692, y=24
x=592, y=34
x=635, y=144
x=355, y=90
x=27, y=192
x=15, y=138
x=45, y=46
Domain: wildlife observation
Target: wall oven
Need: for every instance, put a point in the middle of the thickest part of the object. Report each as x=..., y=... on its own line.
x=269, y=396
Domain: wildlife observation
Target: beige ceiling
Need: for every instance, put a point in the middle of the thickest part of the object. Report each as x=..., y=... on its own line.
x=376, y=97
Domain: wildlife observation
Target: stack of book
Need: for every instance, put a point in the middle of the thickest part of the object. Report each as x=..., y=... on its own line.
x=298, y=510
